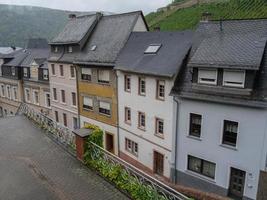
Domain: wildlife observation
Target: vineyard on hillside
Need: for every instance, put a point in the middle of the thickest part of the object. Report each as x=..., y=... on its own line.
x=188, y=18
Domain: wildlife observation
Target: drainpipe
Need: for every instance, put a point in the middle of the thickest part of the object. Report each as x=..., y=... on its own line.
x=78, y=94
x=118, y=128
x=176, y=140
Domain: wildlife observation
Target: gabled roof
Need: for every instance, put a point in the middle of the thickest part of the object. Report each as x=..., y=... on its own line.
x=18, y=58
x=234, y=43
x=37, y=55
x=109, y=37
x=77, y=30
x=174, y=46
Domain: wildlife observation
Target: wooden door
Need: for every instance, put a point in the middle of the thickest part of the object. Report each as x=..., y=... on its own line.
x=237, y=183
x=158, y=163
x=110, y=142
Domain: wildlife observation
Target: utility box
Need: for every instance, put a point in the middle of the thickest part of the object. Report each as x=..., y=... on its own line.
x=81, y=138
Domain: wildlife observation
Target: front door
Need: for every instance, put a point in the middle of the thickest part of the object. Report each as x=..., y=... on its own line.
x=158, y=163
x=110, y=142
x=237, y=183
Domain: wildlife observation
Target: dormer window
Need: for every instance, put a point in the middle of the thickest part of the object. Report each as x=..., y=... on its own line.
x=152, y=49
x=13, y=71
x=55, y=49
x=93, y=48
x=207, y=76
x=45, y=74
x=25, y=72
x=70, y=50
x=234, y=78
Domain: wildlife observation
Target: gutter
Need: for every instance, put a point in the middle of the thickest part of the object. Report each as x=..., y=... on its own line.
x=176, y=141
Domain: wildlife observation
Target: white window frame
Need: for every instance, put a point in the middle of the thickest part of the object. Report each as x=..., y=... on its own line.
x=46, y=99
x=45, y=76
x=25, y=93
x=90, y=104
x=140, y=79
x=33, y=96
x=75, y=99
x=106, y=106
x=53, y=66
x=3, y=90
x=103, y=80
x=72, y=77
x=25, y=73
x=55, y=49
x=130, y=146
x=207, y=82
x=70, y=49
x=15, y=97
x=13, y=71
x=8, y=92
x=233, y=84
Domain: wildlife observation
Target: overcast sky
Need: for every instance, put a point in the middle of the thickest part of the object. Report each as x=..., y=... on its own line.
x=116, y=6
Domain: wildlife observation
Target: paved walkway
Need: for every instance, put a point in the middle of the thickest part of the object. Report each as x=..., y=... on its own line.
x=33, y=167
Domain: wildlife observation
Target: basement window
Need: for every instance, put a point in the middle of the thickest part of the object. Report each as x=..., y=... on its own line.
x=152, y=49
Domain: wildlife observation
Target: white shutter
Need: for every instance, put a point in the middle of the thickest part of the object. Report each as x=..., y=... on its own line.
x=103, y=75
x=104, y=105
x=88, y=101
x=234, y=78
x=208, y=76
x=87, y=71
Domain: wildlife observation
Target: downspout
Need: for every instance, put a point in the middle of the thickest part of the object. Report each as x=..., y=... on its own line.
x=118, y=128
x=176, y=140
x=78, y=94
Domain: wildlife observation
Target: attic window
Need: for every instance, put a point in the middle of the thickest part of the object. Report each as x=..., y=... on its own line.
x=153, y=48
x=70, y=49
x=55, y=49
x=93, y=48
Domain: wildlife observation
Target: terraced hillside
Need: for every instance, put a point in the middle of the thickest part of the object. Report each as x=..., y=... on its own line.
x=188, y=17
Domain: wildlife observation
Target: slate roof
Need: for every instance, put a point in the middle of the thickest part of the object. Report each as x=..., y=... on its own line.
x=166, y=62
x=240, y=44
x=37, y=43
x=76, y=30
x=109, y=36
x=37, y=55
x=258, y=97
x=18, y=58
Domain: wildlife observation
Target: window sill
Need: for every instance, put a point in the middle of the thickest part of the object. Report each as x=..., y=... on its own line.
x=128, y=91
x=64, y=103
x=128, y=123
x=142, y=95
x=142, y=129
x=104, y=84
x=73, y=106
x=160, y=99
x=228, y=147
x=194, y=137
x=105, y=115
x=161, y=136
x=72, y=78
x=202, y=177
x=131, y=153
x=55, y=100
x=88, y=110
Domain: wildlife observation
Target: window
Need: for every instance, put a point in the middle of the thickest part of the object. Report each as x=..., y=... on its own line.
x=35, y=97
x=230, y=133
x=128, y=115
x=27, y=95
x=72, y=71
x=86, y=74
x=47, y=100
x=75, y=123
x=55, y=49
x=159, y=126
x=74, y=101
x=8, y=92
x=63, y=98
x=152, y=49
x=161, y=90
x=15, y=93
x=127, y=83
x=142, y=86
x=3, y=91
x=234, y=78
x=70, y=49
x=13, y=71
x=201, y=166
x=65, y=121
x=207, y=76
x=45, y=74
x=104, y=108
x=56, y=116
x=103, y=76
x=131, y=146
x=87, y=103
x=53, y=69
x=25, y=72
x=55, y=93
x=195, y=125
x=141, y=120
x=61, y=70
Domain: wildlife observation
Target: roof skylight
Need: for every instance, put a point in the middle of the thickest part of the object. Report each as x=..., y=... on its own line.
x=93, y=48
x=153, y=48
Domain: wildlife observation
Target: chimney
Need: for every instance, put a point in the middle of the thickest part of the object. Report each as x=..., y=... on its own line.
x=98, y=16
x=72, y=16
x=157, y=28
x=206, y=16
x=13, y=47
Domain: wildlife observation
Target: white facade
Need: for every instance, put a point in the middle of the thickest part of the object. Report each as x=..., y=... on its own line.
x=249, y=154
x=68, y=84
x=153, y=108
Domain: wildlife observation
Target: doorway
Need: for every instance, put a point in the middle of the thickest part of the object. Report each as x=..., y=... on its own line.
x=237, y=183
x=110, y=142
x=158, y=163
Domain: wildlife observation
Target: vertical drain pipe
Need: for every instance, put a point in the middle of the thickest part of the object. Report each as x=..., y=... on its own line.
x=176, y=140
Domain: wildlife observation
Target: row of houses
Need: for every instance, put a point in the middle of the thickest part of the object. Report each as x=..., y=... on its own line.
x=187, y=107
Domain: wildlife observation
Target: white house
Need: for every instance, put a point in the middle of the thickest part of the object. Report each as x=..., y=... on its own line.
x=222, y=114
x=146, y=70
